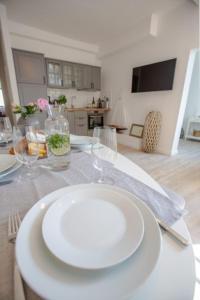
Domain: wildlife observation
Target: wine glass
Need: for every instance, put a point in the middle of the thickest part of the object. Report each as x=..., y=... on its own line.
x=104, y=149
x=26, y=147
x=6, y=130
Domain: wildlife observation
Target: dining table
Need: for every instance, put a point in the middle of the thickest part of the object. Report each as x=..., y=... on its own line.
x=173, y=277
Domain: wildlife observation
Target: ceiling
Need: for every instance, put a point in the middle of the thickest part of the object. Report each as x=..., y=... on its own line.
x=92, y=21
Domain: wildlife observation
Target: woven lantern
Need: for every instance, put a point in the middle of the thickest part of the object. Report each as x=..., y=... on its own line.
x=151, y=133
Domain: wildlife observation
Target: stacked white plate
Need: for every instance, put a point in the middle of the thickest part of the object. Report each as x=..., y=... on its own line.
x=88, y=242
x=81, y=142
x=8, y=165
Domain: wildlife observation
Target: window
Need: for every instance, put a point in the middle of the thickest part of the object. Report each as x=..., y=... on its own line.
x=1, y=96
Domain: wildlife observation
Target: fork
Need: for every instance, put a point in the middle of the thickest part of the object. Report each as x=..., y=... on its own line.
x=14, y=222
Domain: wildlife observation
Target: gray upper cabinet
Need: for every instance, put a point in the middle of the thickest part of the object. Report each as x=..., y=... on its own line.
x=31, y=76
x=91, y=78
x=78, y=76
x=87, y=77
x=29, y=67
x=96, y=78
x=54, y=73
x=70, y=75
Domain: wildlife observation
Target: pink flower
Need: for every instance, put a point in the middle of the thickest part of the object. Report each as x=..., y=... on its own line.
x=42, y=103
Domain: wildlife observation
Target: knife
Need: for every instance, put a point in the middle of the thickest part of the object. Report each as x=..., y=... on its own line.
x=4, y=182
x=173, y=232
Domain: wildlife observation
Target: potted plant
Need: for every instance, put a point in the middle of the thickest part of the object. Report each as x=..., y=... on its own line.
x=61, y=100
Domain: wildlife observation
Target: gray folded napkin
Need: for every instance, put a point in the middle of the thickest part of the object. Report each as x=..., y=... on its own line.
x=169, y=209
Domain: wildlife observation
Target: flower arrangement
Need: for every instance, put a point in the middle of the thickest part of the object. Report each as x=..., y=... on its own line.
x=26, y=110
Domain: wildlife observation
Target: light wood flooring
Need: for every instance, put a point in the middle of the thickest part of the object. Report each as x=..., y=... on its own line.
x=180, y=172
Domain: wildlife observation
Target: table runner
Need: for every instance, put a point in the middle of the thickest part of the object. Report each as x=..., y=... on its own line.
x=22, y=196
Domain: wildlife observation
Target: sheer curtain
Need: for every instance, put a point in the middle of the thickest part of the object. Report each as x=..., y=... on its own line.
x=4, y=83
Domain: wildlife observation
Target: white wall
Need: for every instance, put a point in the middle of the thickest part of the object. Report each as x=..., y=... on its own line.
x=193, y=97
x=52, y=45
x=80, y=98
x=177, y=34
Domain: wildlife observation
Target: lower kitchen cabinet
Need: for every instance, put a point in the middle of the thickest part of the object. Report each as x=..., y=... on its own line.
x=70, y=117
x=78, y=123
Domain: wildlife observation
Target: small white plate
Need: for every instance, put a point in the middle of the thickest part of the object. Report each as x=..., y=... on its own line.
x=52, y=279
x=77, y=141
x=93, y=228
x=7, y=161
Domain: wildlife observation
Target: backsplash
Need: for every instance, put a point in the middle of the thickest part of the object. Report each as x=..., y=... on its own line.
x=80, y=98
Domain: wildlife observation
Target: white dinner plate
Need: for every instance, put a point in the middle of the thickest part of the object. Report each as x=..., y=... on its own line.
x=11, y=170
x=53, y=280
x=7, y=161
x=93, y=228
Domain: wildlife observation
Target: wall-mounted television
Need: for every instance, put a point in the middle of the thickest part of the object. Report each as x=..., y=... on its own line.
x=154, y=77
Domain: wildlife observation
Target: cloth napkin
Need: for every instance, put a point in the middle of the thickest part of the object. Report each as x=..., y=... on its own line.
x=81, y=170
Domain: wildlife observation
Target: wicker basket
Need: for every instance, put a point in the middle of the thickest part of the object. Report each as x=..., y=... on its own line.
x=196, y=133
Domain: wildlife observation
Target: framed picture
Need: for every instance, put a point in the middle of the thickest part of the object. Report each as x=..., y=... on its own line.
x=136, y=130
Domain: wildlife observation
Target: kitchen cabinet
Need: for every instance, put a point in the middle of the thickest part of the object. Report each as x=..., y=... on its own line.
x=96, y=78
x=54, y=73
x=63, y=74
x=87, y=78
x=31, y=76
x=91, y=78
x=68, y=76
x=78, y=76
x=80, y=122
x=77, y=122
x=70, y=117
x=29, y=67
x=31, y=92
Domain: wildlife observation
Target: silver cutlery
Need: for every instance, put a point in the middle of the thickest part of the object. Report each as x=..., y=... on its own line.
x=4, y=182
x=14, y=223
x=173, y=232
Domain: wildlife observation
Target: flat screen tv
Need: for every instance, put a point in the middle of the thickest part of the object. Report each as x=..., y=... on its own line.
x=154, y=77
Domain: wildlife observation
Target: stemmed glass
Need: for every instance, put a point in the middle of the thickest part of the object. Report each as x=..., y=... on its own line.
x=5, y=130
x=27, y=148
x=104, y=149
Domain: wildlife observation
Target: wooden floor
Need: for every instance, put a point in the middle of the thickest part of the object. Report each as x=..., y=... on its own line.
x=181, y=173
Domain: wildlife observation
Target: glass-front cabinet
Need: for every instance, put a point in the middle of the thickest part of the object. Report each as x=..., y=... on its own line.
x=54, y=73
x=78, y=76
x=68, y=81
x=68, y=75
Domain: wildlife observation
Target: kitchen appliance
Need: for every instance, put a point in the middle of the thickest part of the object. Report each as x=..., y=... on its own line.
x=95, y=120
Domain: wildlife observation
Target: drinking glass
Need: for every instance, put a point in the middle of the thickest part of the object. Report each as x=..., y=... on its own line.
x=5, y=130
x=27, y=147
x=104, y=149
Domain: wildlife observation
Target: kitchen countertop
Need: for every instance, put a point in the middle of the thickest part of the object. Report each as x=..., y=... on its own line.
x=88, y=109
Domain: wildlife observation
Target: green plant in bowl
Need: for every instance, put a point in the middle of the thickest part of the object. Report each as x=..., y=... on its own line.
x=59, y=144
